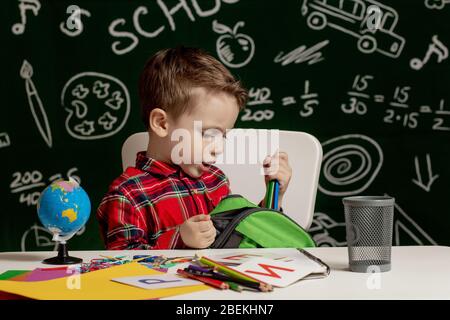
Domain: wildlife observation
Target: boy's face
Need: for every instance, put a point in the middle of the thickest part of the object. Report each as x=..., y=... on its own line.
x=204, y=126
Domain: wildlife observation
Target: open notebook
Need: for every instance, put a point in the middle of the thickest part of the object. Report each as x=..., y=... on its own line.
x=279, y=269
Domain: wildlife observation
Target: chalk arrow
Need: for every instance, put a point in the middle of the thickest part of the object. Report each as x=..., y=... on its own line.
x=431, y=178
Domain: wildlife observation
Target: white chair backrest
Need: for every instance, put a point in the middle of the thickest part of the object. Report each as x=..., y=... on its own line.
x=305, y=157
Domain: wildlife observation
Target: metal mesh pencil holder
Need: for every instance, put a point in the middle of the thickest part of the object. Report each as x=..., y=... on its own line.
x=369, y=223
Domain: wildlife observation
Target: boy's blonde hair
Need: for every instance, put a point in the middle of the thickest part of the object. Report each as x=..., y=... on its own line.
x=170, y=74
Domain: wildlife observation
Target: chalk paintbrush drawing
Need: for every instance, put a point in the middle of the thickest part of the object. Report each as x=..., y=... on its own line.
x=35, y=103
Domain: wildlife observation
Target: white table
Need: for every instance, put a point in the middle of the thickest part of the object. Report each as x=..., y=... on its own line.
x=418, y=272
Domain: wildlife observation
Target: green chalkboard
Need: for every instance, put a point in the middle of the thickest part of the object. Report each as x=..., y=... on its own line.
x=368, y=78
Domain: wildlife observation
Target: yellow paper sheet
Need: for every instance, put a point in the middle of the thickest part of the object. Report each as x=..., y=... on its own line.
x=96, y=285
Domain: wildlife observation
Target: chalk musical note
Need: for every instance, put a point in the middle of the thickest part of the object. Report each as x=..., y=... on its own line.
x=35, y=103
x=436, y=47
x=34, y=6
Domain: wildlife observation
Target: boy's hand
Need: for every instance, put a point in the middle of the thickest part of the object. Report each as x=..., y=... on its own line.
x=277, y=167
x=198, y=231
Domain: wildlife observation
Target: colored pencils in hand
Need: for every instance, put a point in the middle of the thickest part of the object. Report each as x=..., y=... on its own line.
x=273, y=188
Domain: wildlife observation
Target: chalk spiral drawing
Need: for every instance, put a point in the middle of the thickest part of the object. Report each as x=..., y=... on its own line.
x=234, y=49
x=25, y=5
x=98, y=105
x=436, y=47
x=4, y=140
x=73, y=26
x=350, y=164
x=431, y=178
x=350, y=17
x=35, y=103
x=302, y=54
x=436, y=4
x=39, y=237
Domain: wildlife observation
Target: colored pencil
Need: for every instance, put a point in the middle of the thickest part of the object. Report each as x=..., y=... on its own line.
x=234, y=286
x=200, y=269
x=275, y=194
x=234, y=273
x=269, y=195
x=212, y=282
x=247, y=284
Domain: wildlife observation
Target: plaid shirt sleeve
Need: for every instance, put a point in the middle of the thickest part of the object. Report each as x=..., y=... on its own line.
x=123, y=226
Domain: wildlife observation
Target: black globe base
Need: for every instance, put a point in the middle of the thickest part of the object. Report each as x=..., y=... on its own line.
x=62, y=257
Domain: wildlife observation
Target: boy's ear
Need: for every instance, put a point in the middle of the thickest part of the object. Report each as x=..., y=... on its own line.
x=158, y=122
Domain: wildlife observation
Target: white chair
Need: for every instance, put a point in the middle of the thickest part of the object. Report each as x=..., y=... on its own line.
x=305, y=157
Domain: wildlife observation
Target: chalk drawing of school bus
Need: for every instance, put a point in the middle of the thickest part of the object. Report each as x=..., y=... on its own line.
x=351, y=17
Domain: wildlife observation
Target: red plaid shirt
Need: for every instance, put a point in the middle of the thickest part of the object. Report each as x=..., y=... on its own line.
x=145, y=205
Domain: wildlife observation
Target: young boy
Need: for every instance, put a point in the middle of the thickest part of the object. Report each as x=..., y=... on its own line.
x=165, y=200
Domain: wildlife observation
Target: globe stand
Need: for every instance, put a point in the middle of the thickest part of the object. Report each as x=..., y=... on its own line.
x=63, y=256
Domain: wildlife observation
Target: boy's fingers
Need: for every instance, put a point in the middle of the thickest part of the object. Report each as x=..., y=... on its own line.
x=267, y=160
x=209, y=234
x=204, y=226
x=199, y=217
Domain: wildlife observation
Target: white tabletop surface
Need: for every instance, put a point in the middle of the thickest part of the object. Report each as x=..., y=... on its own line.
x=418, y=272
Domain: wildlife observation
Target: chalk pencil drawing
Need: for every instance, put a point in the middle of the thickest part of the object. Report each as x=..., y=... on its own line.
x=350, y=164
x=35, y=103
x=4, y=140
x=431, y=178
x=73, y=26
x=98, y=105
x=436, y=4
x=234, y=49
x=302, y=54
x=38, y=238
x=405, y=225
x=351, y=17
x=25, y=5
x=436, y=47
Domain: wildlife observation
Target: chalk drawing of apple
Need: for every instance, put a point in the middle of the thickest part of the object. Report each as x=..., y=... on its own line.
x=234, y=49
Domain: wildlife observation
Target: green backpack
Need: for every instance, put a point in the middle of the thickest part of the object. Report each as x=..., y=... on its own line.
x=242, y=224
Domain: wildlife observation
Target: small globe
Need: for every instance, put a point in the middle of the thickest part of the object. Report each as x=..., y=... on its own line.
x=64, y=208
